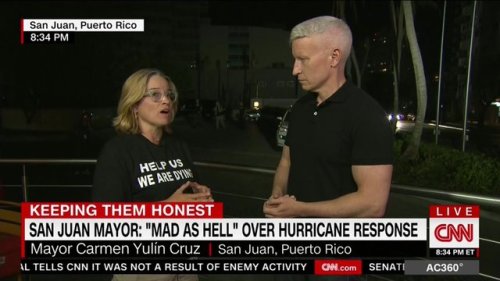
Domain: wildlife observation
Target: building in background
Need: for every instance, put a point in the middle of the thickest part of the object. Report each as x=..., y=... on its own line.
x=239, y=63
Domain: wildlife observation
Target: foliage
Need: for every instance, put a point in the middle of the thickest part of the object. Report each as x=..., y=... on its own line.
x=447, y=169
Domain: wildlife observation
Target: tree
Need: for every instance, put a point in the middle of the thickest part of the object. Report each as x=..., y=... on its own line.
x=398, y=24
x=339, y=6
x=411, y=151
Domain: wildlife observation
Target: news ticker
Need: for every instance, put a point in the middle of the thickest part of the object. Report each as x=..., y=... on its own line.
x=257, y=266
x=57, y=236
x=62, y=31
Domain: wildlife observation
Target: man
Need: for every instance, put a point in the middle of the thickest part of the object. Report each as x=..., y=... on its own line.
x=337, y=158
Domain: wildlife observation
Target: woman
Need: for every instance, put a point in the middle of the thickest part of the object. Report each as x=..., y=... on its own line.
x=144, y=162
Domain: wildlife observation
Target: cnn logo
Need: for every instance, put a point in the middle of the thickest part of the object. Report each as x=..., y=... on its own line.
x=448, y=233
x=330, y=267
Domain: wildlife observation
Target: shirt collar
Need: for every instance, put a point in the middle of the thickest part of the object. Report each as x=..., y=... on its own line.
x=341, y=95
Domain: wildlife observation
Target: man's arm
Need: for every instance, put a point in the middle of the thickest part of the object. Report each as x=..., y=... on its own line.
x=370, y=200
x=280, y=181
x=281, y=176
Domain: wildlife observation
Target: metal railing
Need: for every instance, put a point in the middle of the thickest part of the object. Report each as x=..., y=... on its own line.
x=486, y=202
x=25, y=162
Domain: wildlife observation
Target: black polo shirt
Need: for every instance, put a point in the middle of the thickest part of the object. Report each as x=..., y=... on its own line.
x=349, y=128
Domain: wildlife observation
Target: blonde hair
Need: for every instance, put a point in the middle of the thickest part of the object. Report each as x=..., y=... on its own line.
x=132, y=93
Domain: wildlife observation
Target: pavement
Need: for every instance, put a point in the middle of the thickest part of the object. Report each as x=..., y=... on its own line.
x=247, y=146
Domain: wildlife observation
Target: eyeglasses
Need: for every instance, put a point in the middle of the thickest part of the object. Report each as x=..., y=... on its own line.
x=156, y=95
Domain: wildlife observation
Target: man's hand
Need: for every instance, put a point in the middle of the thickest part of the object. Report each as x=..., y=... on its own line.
x=282, y=207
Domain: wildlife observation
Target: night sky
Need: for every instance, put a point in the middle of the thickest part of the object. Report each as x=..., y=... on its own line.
x=267, y=13
x=51, y=68
x=286, y=14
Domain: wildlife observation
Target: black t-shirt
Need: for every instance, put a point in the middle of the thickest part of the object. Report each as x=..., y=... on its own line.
x=349, y=128
x=130, y=169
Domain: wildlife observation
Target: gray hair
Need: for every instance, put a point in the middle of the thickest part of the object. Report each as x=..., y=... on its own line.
x=336, y=31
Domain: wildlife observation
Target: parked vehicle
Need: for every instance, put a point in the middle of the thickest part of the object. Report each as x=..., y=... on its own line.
x=252, y=115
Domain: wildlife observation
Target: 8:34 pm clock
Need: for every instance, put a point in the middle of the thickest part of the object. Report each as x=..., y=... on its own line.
x=48, y=37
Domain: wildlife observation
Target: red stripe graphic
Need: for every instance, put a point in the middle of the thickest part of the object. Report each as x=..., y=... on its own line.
x=22, y=31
